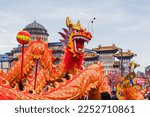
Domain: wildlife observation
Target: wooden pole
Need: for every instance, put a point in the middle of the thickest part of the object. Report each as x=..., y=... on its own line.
x=36, y=73
x=20, y=83
x=121, y=63
x=22, y=61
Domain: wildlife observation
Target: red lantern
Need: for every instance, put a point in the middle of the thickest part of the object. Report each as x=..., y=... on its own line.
x=23, y=37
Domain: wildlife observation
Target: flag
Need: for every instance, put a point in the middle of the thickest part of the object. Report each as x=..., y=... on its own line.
x=132, y=66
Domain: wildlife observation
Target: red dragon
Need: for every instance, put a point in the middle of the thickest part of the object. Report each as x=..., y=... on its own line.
x=67, y=80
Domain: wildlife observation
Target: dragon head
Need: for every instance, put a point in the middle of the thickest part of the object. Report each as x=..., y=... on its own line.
x=75, y=37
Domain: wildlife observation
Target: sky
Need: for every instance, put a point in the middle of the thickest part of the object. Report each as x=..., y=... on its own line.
x=125, y=23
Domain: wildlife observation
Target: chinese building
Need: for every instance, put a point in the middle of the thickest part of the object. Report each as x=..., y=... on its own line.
x=5, y=62
x=37, y=30
x=91, y=57
x=125, y=58
x=57, y=48
x=105, y=55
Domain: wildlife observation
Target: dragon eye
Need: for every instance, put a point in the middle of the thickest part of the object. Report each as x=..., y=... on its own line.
x=76, y=31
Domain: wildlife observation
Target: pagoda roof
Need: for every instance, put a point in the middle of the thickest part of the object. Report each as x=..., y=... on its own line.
x=90, y=55
x=117, y=64
x=106, y=49
x=36, y=28
x=125, y=55
x=55, y=44
x=5, y=58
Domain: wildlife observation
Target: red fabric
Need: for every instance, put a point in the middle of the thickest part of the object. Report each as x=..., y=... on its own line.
x=71, y=62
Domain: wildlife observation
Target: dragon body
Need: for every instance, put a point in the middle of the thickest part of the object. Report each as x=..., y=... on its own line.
x=67, y=80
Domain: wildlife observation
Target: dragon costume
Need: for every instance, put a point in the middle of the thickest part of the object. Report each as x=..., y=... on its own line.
x=67, y=80
x=128, y=89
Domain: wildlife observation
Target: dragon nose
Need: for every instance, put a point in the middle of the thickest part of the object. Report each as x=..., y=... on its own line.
x=88, y=34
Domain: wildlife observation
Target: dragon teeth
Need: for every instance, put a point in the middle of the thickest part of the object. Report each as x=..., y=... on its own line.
x=80, y=37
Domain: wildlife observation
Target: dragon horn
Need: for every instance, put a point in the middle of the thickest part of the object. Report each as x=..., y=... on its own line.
x=69, y=23
x=62, y=34
x=78, y=26
x=78, y=23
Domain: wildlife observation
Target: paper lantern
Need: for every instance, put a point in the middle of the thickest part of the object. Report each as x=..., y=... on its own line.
x=23, y=37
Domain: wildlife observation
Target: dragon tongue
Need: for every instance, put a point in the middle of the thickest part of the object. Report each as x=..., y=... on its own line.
x=79, y=43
